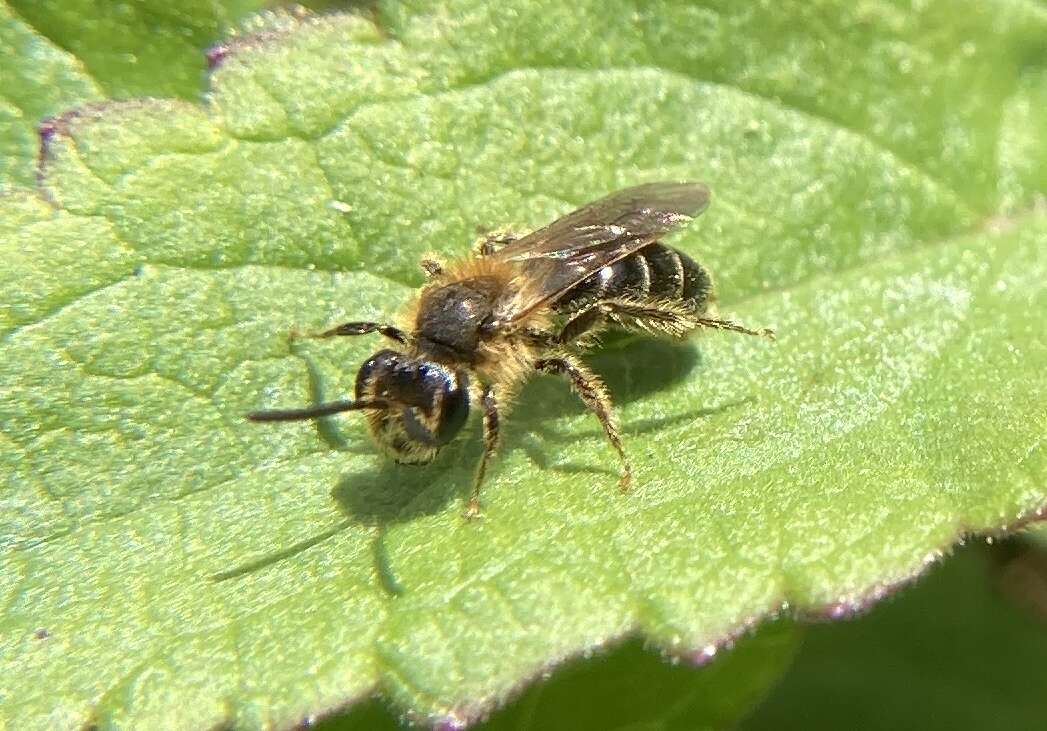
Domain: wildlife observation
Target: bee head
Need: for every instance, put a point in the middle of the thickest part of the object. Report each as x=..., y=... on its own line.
x=427, y=404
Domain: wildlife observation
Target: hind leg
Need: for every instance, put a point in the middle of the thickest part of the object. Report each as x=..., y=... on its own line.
x=715, y=324
x=593, y=393
x=665, y=317
x=657, y=316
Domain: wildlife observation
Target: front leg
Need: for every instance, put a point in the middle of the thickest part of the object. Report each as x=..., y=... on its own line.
x=491, y=440
x=493, y=241
x=361, y=328
x=593, y=393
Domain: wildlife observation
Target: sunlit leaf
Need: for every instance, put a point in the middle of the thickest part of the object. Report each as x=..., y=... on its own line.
x=167, y=564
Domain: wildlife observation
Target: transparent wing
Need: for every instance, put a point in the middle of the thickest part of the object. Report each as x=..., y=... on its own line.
x=554, y=259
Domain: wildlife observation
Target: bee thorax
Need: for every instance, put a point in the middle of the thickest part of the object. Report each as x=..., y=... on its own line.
x=449, y=319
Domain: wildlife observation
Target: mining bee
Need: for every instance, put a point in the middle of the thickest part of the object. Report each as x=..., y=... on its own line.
x=482, y=324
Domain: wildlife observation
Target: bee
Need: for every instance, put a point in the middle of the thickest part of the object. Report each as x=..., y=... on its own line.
x=482, y=324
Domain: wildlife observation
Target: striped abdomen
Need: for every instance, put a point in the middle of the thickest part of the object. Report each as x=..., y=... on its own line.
x=655, y=272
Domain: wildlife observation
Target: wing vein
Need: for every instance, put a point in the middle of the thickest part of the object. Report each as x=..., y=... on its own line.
x=556, y=258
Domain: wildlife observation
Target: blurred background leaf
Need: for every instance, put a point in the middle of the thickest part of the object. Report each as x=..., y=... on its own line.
x=136, y=47
x=951, y=652
x=962, y=648
x=57, y=54
x=39, y=79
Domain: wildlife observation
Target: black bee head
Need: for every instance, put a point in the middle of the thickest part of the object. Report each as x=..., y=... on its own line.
x=428, y=404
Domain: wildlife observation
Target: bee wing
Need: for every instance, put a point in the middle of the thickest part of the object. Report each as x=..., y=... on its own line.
x=554, y=259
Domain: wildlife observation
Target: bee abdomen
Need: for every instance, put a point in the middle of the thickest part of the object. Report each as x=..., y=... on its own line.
x=655, y=272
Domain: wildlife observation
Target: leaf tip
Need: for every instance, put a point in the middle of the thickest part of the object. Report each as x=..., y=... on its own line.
x=47, y=130
x=215, y=55
x=259, y=29
x=449, y=723
x=701, y=655
x=50, y=128
x=705, y=654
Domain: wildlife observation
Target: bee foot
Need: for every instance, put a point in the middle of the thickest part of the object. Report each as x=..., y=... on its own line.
x=472, y=510
x=625, y=482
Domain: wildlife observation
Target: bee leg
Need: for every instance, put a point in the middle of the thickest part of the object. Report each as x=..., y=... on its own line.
x=645, y=315
x=735, y=327
x=491, y=438
x=594, y=395
x=491, y=242
x=591, y=318
x=541, y=338
x=432, y=268
x=363, y=328
x=665, y=317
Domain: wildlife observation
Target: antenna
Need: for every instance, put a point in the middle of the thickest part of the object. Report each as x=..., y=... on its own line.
x=314, y=412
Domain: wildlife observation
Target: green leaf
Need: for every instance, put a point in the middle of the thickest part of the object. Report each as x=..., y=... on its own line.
x=39, y=79
x=630, y=689
x=949, y=653
x=57, y=54
x=167, y=564
x=145, y=47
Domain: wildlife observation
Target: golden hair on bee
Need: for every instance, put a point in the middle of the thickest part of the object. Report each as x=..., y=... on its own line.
x=484, y=323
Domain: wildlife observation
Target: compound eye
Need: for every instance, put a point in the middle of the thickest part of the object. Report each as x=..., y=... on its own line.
x=448, y=396
x=455, y=407
x=384, y=361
